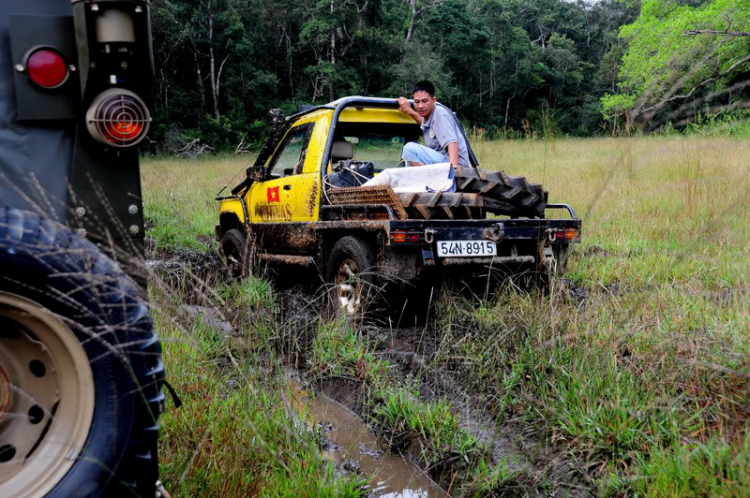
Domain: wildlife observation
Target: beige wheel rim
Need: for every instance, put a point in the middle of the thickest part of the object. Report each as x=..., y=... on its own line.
x=46, y=398
x=348, y=287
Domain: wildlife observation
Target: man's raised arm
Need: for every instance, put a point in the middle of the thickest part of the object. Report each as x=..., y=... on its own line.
x=405, y=107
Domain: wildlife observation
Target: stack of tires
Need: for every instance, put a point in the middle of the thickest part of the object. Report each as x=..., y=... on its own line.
x=503, y=194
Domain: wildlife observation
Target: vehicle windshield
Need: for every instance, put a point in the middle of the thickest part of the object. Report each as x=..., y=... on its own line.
x=380, y=144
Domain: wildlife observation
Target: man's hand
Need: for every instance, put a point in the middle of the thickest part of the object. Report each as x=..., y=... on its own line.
x=404, y=105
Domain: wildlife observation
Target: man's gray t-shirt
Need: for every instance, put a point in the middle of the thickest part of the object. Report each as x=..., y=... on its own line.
x=441, y=129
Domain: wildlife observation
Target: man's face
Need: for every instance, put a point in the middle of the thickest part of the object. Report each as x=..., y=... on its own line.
x=424, y=103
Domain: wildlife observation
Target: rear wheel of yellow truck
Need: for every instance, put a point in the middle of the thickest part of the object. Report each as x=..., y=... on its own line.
x=351, y=276
x=80, y=368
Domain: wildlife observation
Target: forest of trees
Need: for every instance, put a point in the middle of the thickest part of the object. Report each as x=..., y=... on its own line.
x=510, y=67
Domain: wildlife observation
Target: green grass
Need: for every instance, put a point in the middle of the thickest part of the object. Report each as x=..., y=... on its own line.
x=433, y=424
x=338, y=351
x=235, y=438
x=613, y=381
x=251, y=293
x=503, y=479
x=653, y=366
x=711, y=468
x=179, y=198
x=641, y=373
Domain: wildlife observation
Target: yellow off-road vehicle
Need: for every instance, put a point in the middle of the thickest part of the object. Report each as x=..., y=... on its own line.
x=303, y=203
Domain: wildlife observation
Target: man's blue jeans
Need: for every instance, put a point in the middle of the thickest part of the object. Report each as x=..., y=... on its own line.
x=418, y=153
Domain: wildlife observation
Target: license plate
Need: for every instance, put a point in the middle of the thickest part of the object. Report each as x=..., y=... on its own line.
x=466, y=248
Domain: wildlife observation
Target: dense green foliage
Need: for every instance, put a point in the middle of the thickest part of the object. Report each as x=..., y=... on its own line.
x=684, y=59
x=509, y=67
x=501, y=64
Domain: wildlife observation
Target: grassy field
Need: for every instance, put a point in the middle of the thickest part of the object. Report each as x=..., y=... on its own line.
x=632, y=378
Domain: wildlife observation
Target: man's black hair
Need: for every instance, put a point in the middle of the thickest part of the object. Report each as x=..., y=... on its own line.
x=423, y=86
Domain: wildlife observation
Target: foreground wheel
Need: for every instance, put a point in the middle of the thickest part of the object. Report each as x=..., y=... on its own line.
x=80, y=368
x=352, y=275
x=233, y=248
x=45, y=377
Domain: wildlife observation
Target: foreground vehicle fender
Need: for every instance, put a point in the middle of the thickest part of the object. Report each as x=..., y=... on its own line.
x=80, y=368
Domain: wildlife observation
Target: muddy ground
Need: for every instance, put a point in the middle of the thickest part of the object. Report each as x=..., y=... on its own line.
x=537, y=467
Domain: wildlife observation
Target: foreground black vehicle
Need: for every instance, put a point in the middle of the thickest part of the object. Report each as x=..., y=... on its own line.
x=80, y=366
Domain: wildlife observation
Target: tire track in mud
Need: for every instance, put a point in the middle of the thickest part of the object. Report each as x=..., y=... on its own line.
x=518, y=443
x=345, y=439
x=352, y=445
x=536, y=467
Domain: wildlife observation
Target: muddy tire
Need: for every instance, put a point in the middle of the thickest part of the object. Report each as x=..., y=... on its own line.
x=547, y=270
x=233, y=248
x=80, y=367
x=351, y=277
x=508, y=195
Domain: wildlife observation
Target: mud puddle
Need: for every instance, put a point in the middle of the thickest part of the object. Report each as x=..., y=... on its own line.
x=349, y=443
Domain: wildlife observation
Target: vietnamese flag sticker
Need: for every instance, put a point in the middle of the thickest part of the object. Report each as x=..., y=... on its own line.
x=273, y=194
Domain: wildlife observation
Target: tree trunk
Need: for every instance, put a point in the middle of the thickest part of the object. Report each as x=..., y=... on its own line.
x=507, y=108
x=291, y=62
x=317, y=91
x=214, y=82
x=331, y=90
x=614, y=123
x=480, y=88
x=218, y=85
x=410, y=30
x=199, y=75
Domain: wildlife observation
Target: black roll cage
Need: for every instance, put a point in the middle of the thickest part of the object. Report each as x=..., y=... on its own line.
x=255, y=172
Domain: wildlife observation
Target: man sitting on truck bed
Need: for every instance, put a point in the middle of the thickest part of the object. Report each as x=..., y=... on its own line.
x=445, y=141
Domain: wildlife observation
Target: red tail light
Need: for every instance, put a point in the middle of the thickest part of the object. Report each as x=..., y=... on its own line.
x=401, y=237
x=566, y=234
x=118, y=118
x=46, y=68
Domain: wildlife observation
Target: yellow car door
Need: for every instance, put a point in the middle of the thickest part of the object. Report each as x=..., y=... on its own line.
x=291, y=193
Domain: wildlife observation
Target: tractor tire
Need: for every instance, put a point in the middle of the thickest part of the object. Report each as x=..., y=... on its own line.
x=515, y=196
x=234, y=250
x=351, y=277
x=80, y=368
